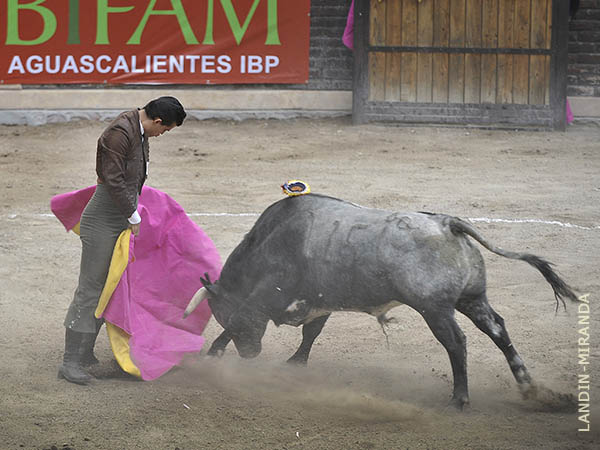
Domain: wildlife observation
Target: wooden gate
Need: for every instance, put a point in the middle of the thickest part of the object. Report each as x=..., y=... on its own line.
x=468, y=62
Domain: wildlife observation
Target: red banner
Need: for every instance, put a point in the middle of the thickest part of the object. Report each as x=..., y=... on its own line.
x=154, y=41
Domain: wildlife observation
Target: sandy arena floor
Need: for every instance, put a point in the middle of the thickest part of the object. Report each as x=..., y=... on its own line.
x=358, y=391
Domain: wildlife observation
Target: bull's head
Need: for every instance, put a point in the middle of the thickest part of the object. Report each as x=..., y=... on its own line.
x=246, y=327
x=243, y=324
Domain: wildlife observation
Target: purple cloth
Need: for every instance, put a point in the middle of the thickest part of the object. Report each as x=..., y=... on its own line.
x=166, y=262
x=348, y=37
x=570, y=116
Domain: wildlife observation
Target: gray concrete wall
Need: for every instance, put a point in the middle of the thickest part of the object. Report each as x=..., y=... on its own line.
x=39, y=106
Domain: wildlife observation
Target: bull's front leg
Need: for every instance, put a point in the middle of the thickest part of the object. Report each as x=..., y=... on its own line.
x=218, y=346
x=310, y=331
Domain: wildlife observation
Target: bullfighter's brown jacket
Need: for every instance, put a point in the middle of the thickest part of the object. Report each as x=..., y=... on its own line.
x=121, y=160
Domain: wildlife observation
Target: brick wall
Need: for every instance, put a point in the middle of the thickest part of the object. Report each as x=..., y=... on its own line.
x=584, y=51
x=330, y=61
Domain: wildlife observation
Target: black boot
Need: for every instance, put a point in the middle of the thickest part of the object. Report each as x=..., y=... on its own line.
x=71, y=369
x=87, y=346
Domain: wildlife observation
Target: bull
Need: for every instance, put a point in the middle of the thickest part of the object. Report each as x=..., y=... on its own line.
x=308, y=256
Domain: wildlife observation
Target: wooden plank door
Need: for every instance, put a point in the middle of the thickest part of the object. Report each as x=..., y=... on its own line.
x=467, y=62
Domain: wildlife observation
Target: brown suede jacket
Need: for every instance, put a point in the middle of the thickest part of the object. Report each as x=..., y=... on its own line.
x=121, y=160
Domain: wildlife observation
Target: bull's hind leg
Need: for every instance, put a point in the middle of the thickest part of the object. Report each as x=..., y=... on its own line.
x=310, y=331
x=446, y=330
x=491, y=323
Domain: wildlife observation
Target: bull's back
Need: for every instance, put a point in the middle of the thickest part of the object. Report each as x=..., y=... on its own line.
x=378, y=256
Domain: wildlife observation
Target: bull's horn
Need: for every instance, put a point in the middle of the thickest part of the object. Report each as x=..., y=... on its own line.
x=195, y=301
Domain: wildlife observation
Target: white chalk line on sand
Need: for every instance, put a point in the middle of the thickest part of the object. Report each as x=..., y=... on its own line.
x=471, y=219
x=537, y=221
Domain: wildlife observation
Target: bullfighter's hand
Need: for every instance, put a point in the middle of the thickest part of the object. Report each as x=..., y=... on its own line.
x=135, y=228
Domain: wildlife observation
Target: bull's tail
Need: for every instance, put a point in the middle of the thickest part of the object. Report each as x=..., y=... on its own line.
x=560, y=288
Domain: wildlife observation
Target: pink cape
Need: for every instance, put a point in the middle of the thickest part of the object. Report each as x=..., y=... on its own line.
x=166, y=262
x=348, y=36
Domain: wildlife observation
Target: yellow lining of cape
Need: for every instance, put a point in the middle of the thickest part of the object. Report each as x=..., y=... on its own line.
x=119, y=342
x=118, y=264
x=118, y=338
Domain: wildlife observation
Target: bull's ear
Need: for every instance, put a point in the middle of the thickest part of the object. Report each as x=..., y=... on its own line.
x=212, y=288
x=206, y=280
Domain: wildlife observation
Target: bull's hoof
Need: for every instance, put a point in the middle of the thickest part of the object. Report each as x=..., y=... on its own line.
x=528, y=391
x=459, y=403
x=216, y=351
x=547, y=399
x=298, y=360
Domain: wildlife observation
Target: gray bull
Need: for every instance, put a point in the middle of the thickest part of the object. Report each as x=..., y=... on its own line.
x=310, y=255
